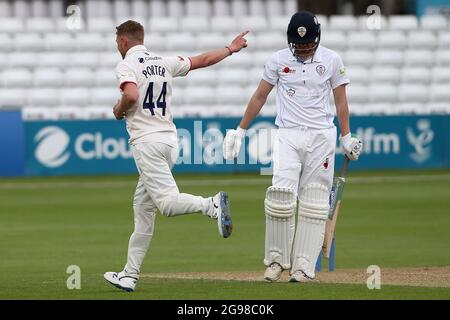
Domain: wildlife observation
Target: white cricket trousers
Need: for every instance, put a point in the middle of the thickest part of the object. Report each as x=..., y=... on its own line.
x=156, y=189
x=302, y=156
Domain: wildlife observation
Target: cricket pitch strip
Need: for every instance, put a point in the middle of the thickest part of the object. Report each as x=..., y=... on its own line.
x=419, y=276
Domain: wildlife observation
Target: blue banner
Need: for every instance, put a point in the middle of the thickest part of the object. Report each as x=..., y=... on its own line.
x=100, y=147
x=12, y=142
x=402, y=141
x=432, y=7
x=77, y=147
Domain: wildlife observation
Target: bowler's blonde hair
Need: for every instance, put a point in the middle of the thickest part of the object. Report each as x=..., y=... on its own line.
x=132, y=30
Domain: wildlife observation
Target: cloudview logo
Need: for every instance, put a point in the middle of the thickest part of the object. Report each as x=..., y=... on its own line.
x=51, y=150
x=53, y=147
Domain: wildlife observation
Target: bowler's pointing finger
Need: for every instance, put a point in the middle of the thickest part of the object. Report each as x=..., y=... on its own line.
x=244, y=33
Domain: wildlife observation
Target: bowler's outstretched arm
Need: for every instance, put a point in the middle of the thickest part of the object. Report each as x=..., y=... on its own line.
x=210, y=58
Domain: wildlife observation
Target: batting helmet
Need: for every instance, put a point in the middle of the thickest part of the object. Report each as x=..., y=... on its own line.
x=303, y=29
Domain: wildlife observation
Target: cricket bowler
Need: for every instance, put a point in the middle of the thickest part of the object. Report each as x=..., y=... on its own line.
x=145, y=80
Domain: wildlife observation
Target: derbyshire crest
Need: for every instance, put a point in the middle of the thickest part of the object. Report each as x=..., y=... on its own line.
x=301, y=31
x=320, y=69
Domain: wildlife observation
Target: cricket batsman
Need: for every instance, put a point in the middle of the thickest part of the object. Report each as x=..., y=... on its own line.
x=304, y=148
x=146, y=83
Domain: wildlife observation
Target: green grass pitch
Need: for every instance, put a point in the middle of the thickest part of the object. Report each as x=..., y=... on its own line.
x=392, y=219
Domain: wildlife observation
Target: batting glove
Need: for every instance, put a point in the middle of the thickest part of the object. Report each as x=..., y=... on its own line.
x=352, y=146
x=232, y=143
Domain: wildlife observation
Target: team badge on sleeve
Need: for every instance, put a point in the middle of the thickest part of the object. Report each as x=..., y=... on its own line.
x=342, y=70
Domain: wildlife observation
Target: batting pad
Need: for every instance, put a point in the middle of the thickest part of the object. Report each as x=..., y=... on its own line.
x=280, y=204
x=312, y=215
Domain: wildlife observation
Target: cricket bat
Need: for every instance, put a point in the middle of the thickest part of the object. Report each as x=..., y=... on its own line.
x=335, y=202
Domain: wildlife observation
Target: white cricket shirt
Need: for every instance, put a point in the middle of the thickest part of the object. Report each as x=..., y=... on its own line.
x=304, y=88
x=153, y=76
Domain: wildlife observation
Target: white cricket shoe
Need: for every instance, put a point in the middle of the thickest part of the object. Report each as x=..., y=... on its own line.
x=300, y=276
x=121, y=281
x=220, y=210
x=273, y=272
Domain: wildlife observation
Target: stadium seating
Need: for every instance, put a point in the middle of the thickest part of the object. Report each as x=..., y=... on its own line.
x=233, y=95
x=39, y=113
x=28, y=42
x=440, y=74
x=361, y=40
x=359, y=74
x=11, y=97
x=12, y=25
x=93, y=112
x=79, y=77
x=382, y=92
x=334, y=39
x=18, y=77
x=384, y=75
x=43, y=97
x=194, y=24
x=209, y=77
x=6, y=43
x=357, y=57
x=343, y=23
x=419, y=75
x=74, y=96
x=433, y=22
x=392, y=40
x=396, y=64
x=42, y=25
x=230, y=77
x=201, y=95
x=357, y=93
x=48, y=77
x=444, y=39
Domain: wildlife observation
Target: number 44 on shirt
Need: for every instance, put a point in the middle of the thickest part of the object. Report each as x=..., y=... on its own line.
x=160, y=102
